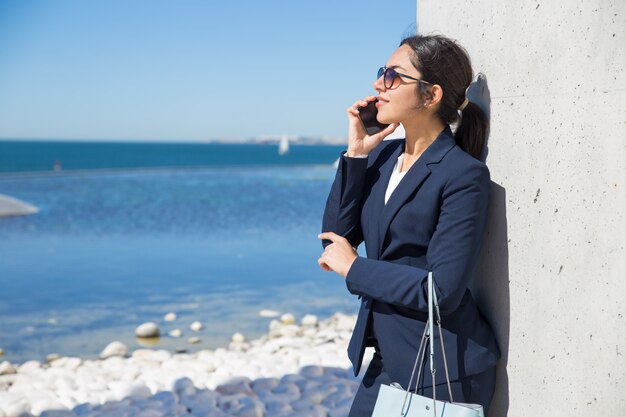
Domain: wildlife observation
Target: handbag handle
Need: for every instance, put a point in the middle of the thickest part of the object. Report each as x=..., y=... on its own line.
x=433, y=306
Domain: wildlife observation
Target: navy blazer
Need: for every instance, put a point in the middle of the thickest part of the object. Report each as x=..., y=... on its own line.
x=434, y=220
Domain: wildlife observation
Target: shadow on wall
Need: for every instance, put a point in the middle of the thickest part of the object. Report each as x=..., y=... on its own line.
x=491, y=286
x=491, y=290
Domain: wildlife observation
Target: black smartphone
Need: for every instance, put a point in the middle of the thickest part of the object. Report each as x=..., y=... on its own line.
x=368, y=117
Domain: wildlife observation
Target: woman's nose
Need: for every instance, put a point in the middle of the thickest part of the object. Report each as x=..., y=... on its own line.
x=379, y=85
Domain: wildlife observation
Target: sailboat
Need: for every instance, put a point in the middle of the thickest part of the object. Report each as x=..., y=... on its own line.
x=283, y=146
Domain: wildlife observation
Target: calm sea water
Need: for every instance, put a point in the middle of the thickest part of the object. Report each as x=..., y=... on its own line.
x=215, y=233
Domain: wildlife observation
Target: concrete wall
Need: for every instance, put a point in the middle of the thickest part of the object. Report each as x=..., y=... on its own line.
x=555, y=259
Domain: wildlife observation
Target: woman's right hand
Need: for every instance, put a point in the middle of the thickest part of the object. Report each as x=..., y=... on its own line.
x=359, y=142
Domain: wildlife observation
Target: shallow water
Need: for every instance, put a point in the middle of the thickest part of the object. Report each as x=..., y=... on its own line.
x=110, y=250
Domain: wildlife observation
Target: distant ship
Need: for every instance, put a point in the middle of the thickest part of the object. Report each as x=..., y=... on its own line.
x=283, y=146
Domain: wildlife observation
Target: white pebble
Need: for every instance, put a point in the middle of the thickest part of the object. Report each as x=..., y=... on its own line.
x=170, y=317
x=43, y=404
x=196, y=326
x=176, y=333
x=17, y=409
x=29, y=366
x=269, y=313
x=289, y=330
x=142, y=353
x=238, y=338
x=287, y=318
x=6, y=368
x=274, y=325
x=114, y=349
x=309, y=320
x=149, y=329
x=52, y=357
x=193, y=340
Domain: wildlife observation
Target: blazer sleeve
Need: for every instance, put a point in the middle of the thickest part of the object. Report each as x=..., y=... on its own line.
x=451, y=255
x=342, y=214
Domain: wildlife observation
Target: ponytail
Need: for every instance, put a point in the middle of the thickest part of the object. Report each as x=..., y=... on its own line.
x=471, y=131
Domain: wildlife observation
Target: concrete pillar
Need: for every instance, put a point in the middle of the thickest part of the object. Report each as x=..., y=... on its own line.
x=554, y=270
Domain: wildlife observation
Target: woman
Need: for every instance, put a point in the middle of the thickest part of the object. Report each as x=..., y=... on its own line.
x=419, y=204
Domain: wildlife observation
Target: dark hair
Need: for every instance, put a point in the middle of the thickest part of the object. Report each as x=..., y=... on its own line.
x=443, y=61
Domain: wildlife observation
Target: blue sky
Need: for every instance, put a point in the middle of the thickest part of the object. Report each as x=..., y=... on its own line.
x=190, y=70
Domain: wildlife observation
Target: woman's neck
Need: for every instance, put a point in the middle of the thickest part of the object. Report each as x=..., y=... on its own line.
x=420, y=134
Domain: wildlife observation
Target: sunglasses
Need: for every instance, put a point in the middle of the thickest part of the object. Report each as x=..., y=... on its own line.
x=390, y=76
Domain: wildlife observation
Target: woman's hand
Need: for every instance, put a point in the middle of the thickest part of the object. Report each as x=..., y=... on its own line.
x=338, y=256
x=359, y=142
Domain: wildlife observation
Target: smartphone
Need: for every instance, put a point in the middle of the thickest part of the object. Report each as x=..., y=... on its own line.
x=368, y=115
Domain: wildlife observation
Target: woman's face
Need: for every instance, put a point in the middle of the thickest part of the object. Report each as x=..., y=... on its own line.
x=400, y=102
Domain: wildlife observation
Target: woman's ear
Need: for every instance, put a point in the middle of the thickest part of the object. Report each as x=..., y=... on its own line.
x=435, y=95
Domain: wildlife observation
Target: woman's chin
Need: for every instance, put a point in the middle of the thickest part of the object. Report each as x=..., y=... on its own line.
x=385, y=120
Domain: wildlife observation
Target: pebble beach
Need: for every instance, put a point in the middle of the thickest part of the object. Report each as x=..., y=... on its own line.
x=296, y=369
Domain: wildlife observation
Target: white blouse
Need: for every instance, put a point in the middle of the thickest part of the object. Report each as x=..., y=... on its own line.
x=395, y=178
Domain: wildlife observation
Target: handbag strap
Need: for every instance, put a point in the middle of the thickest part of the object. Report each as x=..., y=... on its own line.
x=433, y=307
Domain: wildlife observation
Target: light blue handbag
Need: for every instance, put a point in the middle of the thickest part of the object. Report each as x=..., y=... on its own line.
x=395, y=401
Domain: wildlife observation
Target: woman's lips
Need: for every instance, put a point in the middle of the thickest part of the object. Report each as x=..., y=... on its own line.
x=380, y=101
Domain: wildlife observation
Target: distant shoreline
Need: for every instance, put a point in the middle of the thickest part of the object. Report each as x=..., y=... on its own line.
x=249, y=141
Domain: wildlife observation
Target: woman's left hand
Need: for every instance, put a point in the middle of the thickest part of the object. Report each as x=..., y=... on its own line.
x=338, y=256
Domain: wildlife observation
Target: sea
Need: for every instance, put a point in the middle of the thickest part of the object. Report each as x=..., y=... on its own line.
x=127, y=232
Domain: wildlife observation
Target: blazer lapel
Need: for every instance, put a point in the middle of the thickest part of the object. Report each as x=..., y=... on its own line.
x=414, y=177
x=380, y=187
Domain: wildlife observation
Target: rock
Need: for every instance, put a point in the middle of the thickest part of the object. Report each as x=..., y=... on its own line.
x=312, y=371
x=43, y=404
x=238, y=338
x=149, y=329
x=184, y=386
x=114, y=349
x=10, y=206
x=339, y=412
x=269, y=313
x=28, y=367
x=57, y=413
x=71, y=362
x=1, y=352
x=193, y=340
x=166, y=398
x=264, y=384
x=289, y=330
x=180, y=349
x=287, y=318
x=6, y=368
x=52, y=357
x=170, y=317
x=251, y=409
x=176, y=333
x=142, y=353
x=17, y=409
x=196, y=326
x=238, y=386
x=231, y=403
x=309, y=320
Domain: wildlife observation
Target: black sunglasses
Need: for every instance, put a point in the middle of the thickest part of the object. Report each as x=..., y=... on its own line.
x=391, y=74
